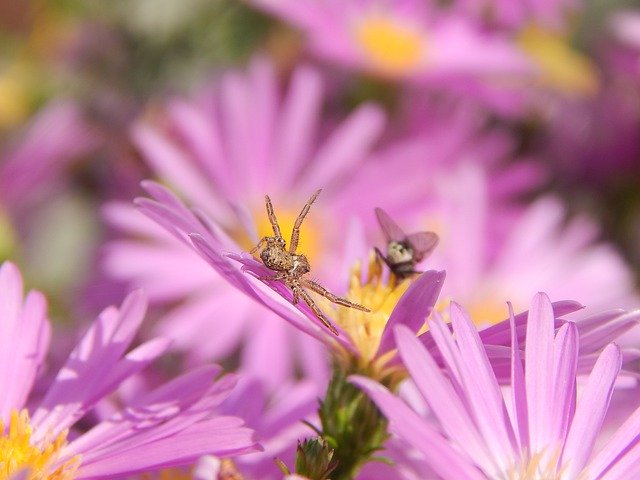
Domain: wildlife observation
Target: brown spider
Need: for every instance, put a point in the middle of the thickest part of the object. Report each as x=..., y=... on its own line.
x=290, y=267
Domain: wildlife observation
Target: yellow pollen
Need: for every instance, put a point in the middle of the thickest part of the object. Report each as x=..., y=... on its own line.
x=541, y=466
x=17, y=453
x=391, y=47
x=562, y=67
x=365, y=328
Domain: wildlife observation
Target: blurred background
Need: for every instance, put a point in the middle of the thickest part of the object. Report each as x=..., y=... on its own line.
x=561, y=80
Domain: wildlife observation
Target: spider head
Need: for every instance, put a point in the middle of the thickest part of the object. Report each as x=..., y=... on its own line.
x=300, y=264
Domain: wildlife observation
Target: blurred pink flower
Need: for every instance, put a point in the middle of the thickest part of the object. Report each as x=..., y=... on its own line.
x=408, y=40
x=539, y=430
x=31, y=169
x=144, y=435
x=494, y=250
x=553, y=14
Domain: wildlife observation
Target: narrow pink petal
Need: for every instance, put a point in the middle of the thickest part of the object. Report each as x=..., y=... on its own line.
x=202, y=136
x=82, y=381
x=564, y=374
x=173, y=165
x=518, y=389
x=414, y=307
x=152, y=411
x=235, y=114
x=24, y=340
x=447, y=462
x=482, y=389
x=298, y=124
x=626, y=467
x=606, y=333
x=500, y=333
x=263, y=94
x=539, y=364
x=210, y=437
x=617, y=448
x=590, y=411
x=345, y=148
x=441, y=397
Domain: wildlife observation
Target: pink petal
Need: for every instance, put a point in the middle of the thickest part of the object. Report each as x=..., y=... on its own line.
x=447, y=462
x=590, y=411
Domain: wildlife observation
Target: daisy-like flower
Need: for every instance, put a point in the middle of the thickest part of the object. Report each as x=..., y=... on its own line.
x=222, y=153
x=366, y=337
x=171, y=425
x=406, y=40
x=494, y=251
x=541, y=427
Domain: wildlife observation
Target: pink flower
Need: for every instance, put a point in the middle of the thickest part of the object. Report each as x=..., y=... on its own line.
x=539, y=430
x=365, y=336
x=407, y=40
x=32, y=168
x=222, y=154
x=171, y=425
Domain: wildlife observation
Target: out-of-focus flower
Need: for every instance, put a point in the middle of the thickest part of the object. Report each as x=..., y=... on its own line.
x=489, y=261
x=406, y=40
x=142, y=436
x=222, y=155
x=32, y=169
x=540, y=430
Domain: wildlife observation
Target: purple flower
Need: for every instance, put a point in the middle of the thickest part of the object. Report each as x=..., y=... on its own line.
x=171, y=425
x=538, y=429
x=407, y=40
x=222, y=153
x=367, y=335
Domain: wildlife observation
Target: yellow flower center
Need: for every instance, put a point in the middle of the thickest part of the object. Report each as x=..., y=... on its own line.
x=365, y=328
x=17, y=453
x=562, y=67
x=310, y=234
x=392, y=47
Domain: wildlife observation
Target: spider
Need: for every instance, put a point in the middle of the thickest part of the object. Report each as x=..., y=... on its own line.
x=291, y=267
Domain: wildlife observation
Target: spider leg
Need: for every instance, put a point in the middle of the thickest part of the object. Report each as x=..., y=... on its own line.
x=272, y=217
x=277, y=276
x=257, y=247
x=316, y=287
x=295, y=233
x=299, y=292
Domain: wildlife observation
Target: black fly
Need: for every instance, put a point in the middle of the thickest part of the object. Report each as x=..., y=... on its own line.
x=404, y=251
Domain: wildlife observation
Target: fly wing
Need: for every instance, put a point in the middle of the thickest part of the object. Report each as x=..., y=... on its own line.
x=423, y=243
x=391, y=230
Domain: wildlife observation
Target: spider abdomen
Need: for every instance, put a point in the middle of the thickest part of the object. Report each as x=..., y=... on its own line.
x=277, y=259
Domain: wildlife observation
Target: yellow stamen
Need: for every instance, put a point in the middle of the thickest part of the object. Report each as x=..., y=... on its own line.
x=17, y=453
x=310, y=233
x=392, y=47
x=562, y=66
x=365, y=328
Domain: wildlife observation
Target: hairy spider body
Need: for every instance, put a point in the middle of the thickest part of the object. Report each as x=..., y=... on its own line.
x=290, y=267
